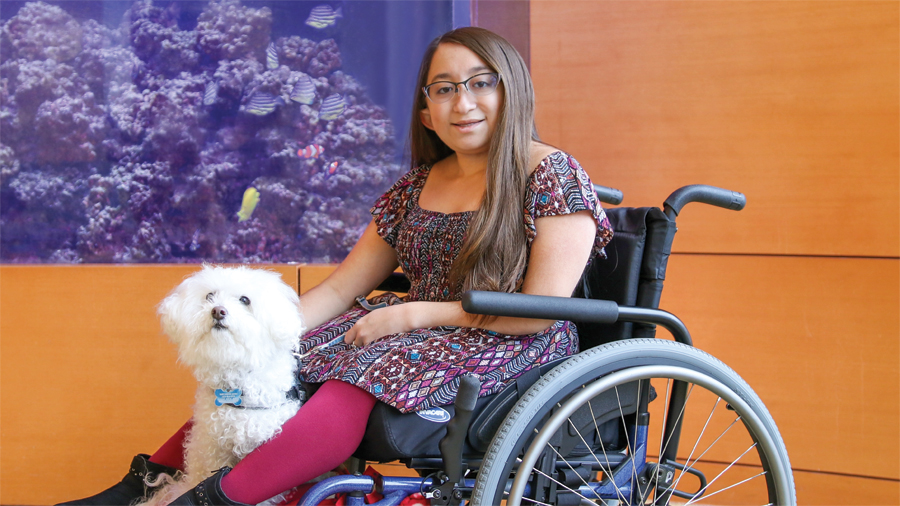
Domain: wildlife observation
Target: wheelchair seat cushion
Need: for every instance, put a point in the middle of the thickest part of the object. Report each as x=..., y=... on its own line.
x=394, y=435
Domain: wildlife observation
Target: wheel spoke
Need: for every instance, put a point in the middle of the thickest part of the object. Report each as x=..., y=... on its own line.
x=532, y=501
x=627, y=437
x=563, y=459
x=608, y=465
x=563, y=485
x=687, y=463
x=700, y=498
x=662, y=431
x=733, y=462
x=603, y=448
x=634, y=464
x=717, y=440
x=687, y=397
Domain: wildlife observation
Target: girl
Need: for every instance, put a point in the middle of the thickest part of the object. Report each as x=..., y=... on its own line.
x=486, y=206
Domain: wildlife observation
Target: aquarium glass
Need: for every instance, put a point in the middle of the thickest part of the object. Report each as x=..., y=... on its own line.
x=191, y=131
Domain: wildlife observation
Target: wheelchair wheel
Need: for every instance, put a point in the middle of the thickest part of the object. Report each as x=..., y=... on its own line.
x=719, y=446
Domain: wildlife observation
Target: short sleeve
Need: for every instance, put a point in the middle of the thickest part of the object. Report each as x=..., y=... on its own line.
x=559, y=185
x=390, y=209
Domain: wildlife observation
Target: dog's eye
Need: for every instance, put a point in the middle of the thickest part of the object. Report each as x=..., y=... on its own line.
x=244, y=300
x=209, y=297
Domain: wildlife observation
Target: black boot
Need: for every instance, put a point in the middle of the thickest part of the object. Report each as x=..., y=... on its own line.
x=132, y=486
x=208, y=493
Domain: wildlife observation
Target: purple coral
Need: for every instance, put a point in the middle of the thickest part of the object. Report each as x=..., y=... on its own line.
x=227, y=30
x=157, y=40
x=40, y=31
x=133, y=144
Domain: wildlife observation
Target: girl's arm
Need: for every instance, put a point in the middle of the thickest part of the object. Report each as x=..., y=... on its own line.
x=560, y=251
x=370, y=261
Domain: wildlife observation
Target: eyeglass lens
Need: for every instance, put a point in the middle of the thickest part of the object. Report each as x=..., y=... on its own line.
x=479, y=85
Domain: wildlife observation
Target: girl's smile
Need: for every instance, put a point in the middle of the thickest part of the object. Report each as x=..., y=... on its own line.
x=467, y=125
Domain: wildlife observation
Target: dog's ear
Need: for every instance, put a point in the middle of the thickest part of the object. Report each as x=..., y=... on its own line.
x=175, y=311
x=289, y=326
x=166, y=311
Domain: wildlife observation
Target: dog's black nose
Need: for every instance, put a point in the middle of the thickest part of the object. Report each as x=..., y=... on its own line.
x=219, y=312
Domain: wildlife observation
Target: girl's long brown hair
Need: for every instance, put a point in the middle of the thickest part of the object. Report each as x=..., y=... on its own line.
x=494, y=254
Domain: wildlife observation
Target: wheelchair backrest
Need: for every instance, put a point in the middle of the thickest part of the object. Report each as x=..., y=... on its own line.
x=631, y=275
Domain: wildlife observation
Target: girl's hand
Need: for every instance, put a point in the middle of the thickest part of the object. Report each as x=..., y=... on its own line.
x=379, y=323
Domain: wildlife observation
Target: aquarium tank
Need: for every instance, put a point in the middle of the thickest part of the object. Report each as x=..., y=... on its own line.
x=203, y=131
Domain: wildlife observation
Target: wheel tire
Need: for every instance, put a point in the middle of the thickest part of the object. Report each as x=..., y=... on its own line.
x=541, y=400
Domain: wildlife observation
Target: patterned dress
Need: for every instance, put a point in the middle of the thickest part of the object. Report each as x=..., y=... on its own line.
x=418, y=370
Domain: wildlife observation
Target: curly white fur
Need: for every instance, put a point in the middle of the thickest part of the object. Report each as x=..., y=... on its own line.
x=235, y=328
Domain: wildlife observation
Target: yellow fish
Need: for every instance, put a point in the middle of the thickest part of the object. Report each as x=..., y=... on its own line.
x=251, y=198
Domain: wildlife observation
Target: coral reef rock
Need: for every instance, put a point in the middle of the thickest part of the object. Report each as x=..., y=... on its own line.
x=136, y=142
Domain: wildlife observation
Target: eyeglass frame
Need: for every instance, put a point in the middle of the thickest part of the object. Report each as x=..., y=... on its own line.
x=465, y=85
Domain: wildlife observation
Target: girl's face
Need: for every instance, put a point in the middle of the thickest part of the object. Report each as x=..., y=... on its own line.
x=466, y=122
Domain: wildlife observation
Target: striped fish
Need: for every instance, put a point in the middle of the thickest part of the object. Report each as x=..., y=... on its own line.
x=332, y=107
x=323, y=16
x=263, y=103
x=248, y=204
x=311, y=151
x=212, y=91
x=271, y=57
x=304, y=91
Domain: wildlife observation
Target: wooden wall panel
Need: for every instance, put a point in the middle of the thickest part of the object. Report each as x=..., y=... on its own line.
x=510, y=19
x=816, y=338
x=87, y=380
x=793, y=103
x=814, y=489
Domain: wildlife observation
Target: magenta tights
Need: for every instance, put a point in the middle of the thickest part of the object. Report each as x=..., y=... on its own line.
x=322, y=435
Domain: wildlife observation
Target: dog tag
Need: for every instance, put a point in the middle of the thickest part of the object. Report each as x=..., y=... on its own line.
x=232, y=397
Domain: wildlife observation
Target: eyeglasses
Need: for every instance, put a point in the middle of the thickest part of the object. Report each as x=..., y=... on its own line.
x=481, y=85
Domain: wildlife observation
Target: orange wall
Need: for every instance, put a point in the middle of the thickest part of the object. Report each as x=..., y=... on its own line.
x=795, y=104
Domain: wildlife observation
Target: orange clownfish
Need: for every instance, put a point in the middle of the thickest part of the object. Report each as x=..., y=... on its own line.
x=332, y=167
x=311, y=151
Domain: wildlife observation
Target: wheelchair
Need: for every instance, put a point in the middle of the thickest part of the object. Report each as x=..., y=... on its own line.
x=631, y=419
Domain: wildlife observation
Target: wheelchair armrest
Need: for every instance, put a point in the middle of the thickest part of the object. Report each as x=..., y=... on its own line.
x=520, y=305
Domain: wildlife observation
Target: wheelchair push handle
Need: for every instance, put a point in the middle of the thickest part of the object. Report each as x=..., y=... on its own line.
x=705, y=194
x=609, y=195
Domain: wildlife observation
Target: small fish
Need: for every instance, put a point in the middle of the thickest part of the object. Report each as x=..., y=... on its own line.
x=311, y=151
x=332, y=167
x=212, y=91
x=332, y=107
x=248, y=205
x=304, y=91
x=263, y=103
x=271, y=57
x=323, y=16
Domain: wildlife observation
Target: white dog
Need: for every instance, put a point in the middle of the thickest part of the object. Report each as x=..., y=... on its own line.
x=236, y=329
